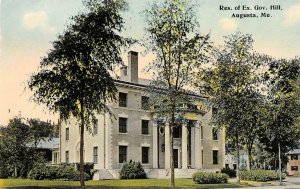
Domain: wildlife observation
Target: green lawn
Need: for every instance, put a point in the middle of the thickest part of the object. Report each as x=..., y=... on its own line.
x=146, y=183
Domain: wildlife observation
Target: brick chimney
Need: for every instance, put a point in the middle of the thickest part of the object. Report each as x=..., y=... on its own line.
x=133, y=67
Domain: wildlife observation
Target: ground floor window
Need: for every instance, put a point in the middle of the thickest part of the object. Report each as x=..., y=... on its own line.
x=215, y=157
x=67, y=156
x=145, y=154
x=294, y=168
x=95, y=154
x=122, y=154
x=294, y=157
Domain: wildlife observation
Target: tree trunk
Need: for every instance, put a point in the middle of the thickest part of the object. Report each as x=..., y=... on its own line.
x=279, y=157
x=81, y=169
x=172, y=158
x=238, y=158
x=250, y=158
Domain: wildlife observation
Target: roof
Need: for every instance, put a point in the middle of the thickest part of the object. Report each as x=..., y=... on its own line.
x=295, y=151
x=48, y=143
x=144, y=86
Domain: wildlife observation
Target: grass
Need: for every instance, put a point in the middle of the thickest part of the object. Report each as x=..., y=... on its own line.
x=143, y=183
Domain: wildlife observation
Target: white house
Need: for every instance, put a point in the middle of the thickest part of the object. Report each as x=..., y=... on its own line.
x=132, y=134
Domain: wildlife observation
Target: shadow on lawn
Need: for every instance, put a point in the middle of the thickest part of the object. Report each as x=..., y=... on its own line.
x=77, y=187
x=109, y=187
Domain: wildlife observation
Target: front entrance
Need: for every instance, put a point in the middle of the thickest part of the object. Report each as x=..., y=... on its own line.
x=175, y=157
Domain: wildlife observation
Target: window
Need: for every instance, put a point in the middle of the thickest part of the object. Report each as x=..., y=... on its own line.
x=95, y=125
x=215, y=157
x=294, y=157
x=234, y=167
x=294, y=168
x=214, y=133
x=145, y=127
x=67, y=156
x=226, y=166
x=122, y=125
x=145, y=102
x=55, y=161
x=145, y=154
x=122, y=154
x=67, y=133
x=202, y=157
x=95, y=154
x=177, y=132
x=122, y=99
x=201, y=129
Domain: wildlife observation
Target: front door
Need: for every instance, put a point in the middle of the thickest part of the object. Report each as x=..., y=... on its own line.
x=175, y=157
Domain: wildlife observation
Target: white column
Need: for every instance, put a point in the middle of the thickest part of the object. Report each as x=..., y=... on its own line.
x=198, y=148
x=184, y=147
x=155, y=146
x=167, y=146
x=193, y=147
x=106, y=141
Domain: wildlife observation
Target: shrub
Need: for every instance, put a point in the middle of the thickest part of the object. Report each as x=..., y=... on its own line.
x=132, y=170
x=210, y=178
x=43, y=172
x=230, y=172
x=88, y=169
x=62, y=172
x=260, y=175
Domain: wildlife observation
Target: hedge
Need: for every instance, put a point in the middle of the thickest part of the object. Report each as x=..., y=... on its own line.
x=260, y=175
x=210, y=178
x=62, y=172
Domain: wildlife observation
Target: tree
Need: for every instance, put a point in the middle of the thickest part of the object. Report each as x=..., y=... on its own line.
x=15, y=137
x=282, y=131
x=180, y=52
x=74, y=78
x=232, y=84
x=18, y=145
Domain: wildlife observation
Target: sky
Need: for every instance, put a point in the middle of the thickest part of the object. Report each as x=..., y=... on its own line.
x=27, y=29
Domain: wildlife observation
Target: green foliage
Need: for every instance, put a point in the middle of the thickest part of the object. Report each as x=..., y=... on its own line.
x=230, y=172
x=132, y=170
x=74, y=78
x=282, y=79
x=233, y=82
x=18, y=143
x=180, y=50
x=61, y=172
x=260, y=175
x=210, y=178
x=88, y=168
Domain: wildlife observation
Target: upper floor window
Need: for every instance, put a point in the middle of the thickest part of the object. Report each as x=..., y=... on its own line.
x=67, y=133
x=95, y=154
x=122, y=99
x=145, y=154
x=95, y=126
x=177, y=131
x=145, y=127
x=215, y=157
x=294, y=157
x=145, y=102
x=122, y=154
x=214, y=133
x=201, y=130
x=122, y=125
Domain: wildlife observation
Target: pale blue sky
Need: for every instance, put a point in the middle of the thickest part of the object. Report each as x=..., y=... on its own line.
x=29, y=26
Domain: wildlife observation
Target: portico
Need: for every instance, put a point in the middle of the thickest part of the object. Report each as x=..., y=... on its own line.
x=184, y=157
